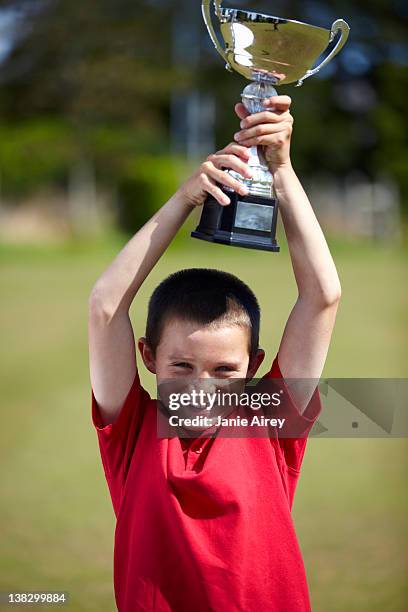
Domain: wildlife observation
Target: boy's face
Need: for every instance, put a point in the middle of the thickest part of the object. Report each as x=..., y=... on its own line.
x=190, y=351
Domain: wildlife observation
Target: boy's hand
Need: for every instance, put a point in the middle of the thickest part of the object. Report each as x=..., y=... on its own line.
x=271, y=128
x=204, y=181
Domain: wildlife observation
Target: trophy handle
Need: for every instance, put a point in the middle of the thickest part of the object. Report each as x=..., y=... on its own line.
x=206, y=11
x=338, y=26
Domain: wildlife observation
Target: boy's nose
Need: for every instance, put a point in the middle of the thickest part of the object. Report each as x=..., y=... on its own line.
x=204, y=382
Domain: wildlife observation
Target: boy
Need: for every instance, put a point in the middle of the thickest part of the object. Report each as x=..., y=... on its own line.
x=204, y=523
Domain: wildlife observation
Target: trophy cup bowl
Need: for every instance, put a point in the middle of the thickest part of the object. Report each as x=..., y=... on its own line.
x=268, y=51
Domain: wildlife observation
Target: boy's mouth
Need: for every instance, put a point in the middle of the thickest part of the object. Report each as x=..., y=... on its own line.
x=201, y=408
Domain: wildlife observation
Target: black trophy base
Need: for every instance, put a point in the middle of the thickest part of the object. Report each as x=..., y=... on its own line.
x=248, y=222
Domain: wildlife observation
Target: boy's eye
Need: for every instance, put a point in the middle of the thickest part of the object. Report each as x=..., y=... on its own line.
x=184, y=364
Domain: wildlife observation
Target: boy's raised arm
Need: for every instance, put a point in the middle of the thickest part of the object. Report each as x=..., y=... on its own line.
x=112, y=352
x=306, y=338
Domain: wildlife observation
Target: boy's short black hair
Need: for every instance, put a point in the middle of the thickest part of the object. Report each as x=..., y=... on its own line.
x=203, y=295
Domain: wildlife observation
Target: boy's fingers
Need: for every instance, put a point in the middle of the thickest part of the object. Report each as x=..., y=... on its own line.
x=224, y=178
x=232, y=162
x=241, y=110
x=220, y=196
x=278, y=102
x=263, y=129
x=264, y=117
x=235, y=149
x=210, y=187
x=277, y=137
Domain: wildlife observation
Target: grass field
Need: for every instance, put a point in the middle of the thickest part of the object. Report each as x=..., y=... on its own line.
x=57, y=521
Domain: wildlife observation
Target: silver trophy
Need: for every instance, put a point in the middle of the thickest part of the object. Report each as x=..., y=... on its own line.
x=269, y=51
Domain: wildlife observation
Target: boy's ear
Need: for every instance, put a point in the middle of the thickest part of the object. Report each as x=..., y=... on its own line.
x=147, y=355
x=255, y=362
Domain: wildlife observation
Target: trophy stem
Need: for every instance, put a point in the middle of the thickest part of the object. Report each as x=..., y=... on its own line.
x=248, y=221
x=261, y=183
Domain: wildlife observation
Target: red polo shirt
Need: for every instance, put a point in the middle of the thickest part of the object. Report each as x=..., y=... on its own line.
x=203, y=524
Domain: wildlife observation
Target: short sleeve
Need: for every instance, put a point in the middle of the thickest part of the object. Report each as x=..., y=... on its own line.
x=297, y=424
x=117, y=440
